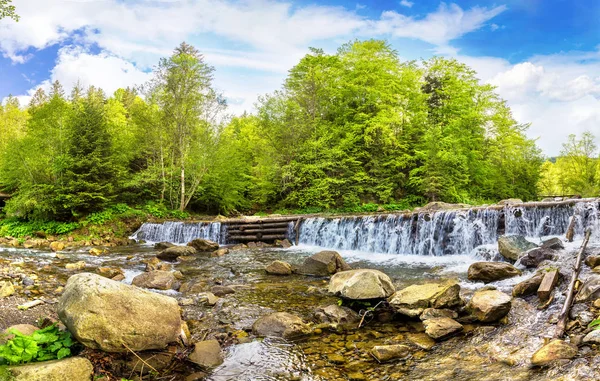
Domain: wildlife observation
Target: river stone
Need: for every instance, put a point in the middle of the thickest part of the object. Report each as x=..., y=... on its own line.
x=171, y=253
x=163, y=245
x=489, y=305
x=336, y=314
x=554, y=350
x=441, y=327
x=208, y=298
x=553, y=243
x=593, y=261
x=593, y=337
x=513, y=246
x=160, y=280
x=279, y=268
x=535, y=256
x=156, y=264
x=104, y=314
x=221, y=291
x=361, y=284
x=6, y=289
x=590, y=289
x=390, y=352
x=72, y=369
x=323, y=263
x=75, y=266
x=207, y=354
x=57, y=246
x=204, y=245
x=528, y=287
x=491, y=271
x=421, y=340
x=413, y=300
x=24, y=329
x=280, y=324
x=109, y=272
x=432, y=313
x=193, y=286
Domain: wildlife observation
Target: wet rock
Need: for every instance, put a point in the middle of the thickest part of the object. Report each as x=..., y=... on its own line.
x=75, y=266
x=528, y=287
x=171, y=253
x=160, y=280
x=279, y=268
x=109, y=272
x=118, y=277
x=6, y=289
x=533, y=257
x=283, y=243
x=207, y=354
x=413, y=300
x=432, y=313
x=96, y=251
x=441, y=327
x=194, y=286
x=553, y=243
x=390, y=352
x=510, y=201
x=163, y=245
x=593, y=261
x=553, y=351
x=159, y=361
x=220, y=252
x=156, y=264
x=361, y=284
x=208, y=298
x=222, y=290
x=513, y=246
x=421, y=340
x=336, y=314
x=489, y=305
x=27, y=281
x=323, y=263
x=593, y=337
x=74, y=368
x=104, y=314
x=280, y=324
x=590, y=289
x=491, y=271
x=203, y=245
x=57, y=246
x=336, y=358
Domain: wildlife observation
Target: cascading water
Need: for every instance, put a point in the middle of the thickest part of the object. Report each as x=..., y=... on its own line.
x=179, y=232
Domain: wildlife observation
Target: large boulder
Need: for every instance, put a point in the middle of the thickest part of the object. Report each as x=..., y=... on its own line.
x=73, y=368
x=361, y=284
x=413, y=300
x=280, y=324
x=513, y=246
x=204, y=245
x=173, y=252
x=160, y=280
x=553, y=244
x=163, y=245
x=336, y=314
x=323, y=263
x=491, y=271
x=115, y=317
x=207, y=354
x=528, y=287
x=535, y=256
x=489, y=305
x=441, y=327
x=553, y=351
x=279, y=268
x=590, y=289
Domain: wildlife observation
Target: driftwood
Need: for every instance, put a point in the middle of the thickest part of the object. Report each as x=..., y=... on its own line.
x=564, y=313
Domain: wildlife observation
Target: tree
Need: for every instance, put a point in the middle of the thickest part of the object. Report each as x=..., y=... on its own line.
x=8, y=10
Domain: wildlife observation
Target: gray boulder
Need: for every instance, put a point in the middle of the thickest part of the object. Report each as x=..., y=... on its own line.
x=173, y=252
x=336, y=314
x=204, y=245
x=279, y=268
x=590, y=289
x=535, y=256
x=323, y=263
x=512, y=247
x=361, y=284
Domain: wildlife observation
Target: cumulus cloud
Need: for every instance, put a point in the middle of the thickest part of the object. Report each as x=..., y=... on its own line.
x=406, y=3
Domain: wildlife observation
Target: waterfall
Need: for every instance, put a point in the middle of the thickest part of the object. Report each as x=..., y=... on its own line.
x=439, y=233
x=180, y=233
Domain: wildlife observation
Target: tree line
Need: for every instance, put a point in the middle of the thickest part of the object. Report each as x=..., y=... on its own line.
x=358, y=127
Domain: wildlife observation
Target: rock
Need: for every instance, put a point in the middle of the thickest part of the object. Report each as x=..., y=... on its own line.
x=513, y=246
x=194, y=286
x=489, y=305
x=72, y=369
x=593, y=337
x=390, y=352
x=159, y=361
x=57, y=246
x=118, y=277
x=6, y=289
x=491, y=271
x=196, y=376
x=222, y=290
x=361, y=284
x=160, y=280
x=528, y=287
x=589, y=290
x=171, y=253
x=336, y=314
x=441, y=327
x=593, y=261
x=203, y=245
x=279, y=268
x=75, y=266
x=553, y=244
x=109, y=272
x=24, y=329
x=163, y=245
x=208, y=298
x=27, y=281
x=207, y=354
x=283, y=243
x=413, y=300
x=535, y=256
x=421, y=340
x=510, y=201
x=554, y=350
x=432, y=313
x=336, y=358
x=104, y=314
x=95, y=251
x=156, y=264
x=220, y=252
x=323, y=263
x=280, y=324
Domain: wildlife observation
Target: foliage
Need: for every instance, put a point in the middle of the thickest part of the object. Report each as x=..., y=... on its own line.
x=8, y=10
x=18, y=228
x=595, y=324
x=45, y=344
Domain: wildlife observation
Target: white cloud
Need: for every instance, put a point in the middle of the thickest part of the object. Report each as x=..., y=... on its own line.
x=406, y=3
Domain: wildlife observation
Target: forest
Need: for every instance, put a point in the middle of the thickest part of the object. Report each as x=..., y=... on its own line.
x=354, y=130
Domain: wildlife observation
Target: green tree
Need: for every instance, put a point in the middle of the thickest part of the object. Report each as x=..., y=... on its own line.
x=8, y=10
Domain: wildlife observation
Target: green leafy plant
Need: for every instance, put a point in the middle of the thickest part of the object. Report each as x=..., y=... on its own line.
x=45, y=344
x=595, y=324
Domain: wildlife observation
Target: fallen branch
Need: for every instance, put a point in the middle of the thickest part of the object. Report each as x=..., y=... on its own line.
x=141, y=359
x=564, y=313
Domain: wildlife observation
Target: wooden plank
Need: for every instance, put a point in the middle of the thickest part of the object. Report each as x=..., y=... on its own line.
x=257, y=238
x=548, y=283
x=256, y=226
x=255, y=231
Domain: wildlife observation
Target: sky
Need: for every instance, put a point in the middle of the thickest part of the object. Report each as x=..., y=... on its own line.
x=543, y=56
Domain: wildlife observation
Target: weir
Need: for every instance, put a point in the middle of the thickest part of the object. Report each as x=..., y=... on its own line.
x=423, y=232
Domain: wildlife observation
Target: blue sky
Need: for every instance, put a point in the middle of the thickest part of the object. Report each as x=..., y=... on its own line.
x=543, y=56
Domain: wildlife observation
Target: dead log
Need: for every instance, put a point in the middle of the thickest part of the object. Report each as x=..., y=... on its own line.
x=268, y=225
x=548, y=283
x=256, y=231
x=257, y=237
x=564, y=313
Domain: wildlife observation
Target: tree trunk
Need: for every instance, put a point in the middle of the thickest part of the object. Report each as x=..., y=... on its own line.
x=182, y=201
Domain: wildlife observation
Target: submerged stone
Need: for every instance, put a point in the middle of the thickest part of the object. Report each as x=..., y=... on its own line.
x=553, y=351
x=207, y=354
x=279, y=268
x=280, y=324
x=390, y=352
x=441, y=327
x=361, y=284
x=336, y=314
